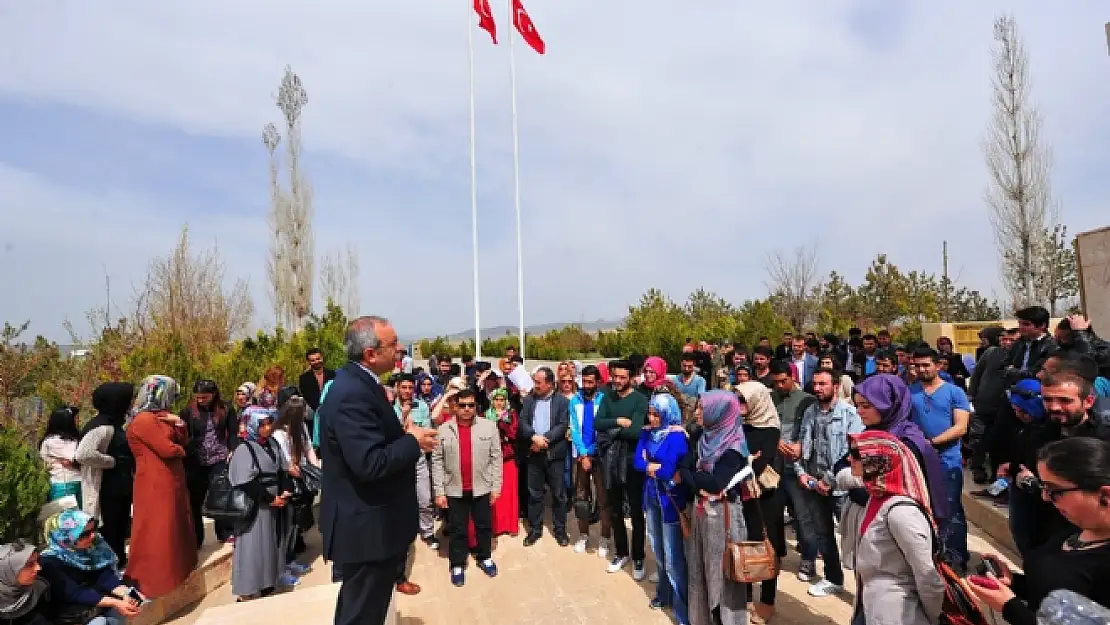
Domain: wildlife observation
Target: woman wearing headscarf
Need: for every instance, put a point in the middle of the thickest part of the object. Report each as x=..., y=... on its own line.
x=655, y=376
x=762, y=430
x=58, y=451
x=661, y=447
x=506, y=510
x=163, y=544
x=81, y=568
x=24, y=594
x=257, y=467
x=883, y=403
x=108, y=466
x=603, y=376
x=721, y=453
x=896, y=579
x=1033, y=521
x=213, y=434
x=427, y=390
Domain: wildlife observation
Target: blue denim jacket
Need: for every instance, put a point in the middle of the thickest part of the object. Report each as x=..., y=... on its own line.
x=844, y=421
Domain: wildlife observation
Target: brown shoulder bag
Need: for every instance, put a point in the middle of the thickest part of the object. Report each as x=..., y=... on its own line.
x=748, y=561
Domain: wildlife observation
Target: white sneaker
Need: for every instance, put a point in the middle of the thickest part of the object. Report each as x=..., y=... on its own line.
x=638, y=573
x=824, y=588
x=617, y=564
x=603, y=548
x=580, y=545
x=654, y=577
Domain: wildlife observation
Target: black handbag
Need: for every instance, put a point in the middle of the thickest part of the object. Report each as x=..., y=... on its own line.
x=228, y=504
x=307, y=486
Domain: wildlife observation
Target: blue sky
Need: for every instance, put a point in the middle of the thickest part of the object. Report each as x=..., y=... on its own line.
x=661, y=145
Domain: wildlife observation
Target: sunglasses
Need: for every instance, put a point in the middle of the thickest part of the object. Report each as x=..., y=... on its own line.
x=470, y=405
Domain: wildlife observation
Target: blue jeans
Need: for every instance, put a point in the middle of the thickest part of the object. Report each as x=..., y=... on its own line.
x=111, y=617
x=954, y=532
x=803, y=525
x=670, y=560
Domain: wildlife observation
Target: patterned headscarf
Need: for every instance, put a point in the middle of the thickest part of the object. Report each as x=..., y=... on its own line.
x=254, y=417
x=659, y=366
x=669, y=413
x=157, y=393
x=63, y=530
x=491, y=412
x=437, y=390
x=17, y=601
x=890, y=468
x=723, y=431
x=761, y=406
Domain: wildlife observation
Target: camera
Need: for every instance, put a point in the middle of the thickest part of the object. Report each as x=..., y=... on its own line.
x=1029, y=483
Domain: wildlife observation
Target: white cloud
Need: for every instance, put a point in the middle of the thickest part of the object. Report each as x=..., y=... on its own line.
x=662, y=144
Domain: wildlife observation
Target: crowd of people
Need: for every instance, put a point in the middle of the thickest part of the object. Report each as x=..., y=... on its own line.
x=858, y=447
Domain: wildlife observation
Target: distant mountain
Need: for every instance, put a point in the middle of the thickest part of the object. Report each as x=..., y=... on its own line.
x=499, y=331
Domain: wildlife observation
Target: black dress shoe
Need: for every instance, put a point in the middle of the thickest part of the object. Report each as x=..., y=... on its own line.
x=563, y=540
x=981, y=478
x=531, y=539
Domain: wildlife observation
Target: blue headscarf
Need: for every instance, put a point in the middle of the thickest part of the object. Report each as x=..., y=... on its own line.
x=1026, y=396
x=254, y=417
x=64, y=529
x=669, y=413
x=437, y=389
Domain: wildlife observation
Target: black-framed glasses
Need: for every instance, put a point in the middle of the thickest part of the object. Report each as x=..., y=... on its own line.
x=1054, y=494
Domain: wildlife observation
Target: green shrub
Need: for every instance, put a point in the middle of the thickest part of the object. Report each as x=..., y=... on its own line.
x=24, y=486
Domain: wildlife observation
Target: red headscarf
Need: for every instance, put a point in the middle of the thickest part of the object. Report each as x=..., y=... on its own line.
x=889, y=469
x=603, y=369
x=659, y=366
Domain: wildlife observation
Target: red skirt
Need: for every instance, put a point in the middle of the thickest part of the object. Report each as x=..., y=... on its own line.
x=506, y=510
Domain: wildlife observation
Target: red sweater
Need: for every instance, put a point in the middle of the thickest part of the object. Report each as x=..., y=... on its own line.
x=466, y=460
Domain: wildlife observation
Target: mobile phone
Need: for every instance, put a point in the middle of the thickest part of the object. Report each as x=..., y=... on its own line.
x=989, y=566
x=985, y=582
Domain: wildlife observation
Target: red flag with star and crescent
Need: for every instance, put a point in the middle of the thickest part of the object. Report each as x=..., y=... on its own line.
x=485, y=18
x=526, y=28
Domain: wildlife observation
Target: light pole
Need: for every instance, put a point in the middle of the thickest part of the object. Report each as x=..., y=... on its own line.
x=1108, y=37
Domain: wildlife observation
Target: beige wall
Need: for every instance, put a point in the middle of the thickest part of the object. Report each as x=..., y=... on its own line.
x=1093, y=251
x=965, y=336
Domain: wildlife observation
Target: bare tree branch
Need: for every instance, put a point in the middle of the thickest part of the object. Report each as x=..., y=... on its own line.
x=794, y=282
x=339, y=280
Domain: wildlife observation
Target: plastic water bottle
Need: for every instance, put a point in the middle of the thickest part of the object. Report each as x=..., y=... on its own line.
x=1064, y=607
x=998, y=487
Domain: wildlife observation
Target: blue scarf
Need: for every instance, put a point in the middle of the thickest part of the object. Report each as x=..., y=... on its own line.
x=666, y=407
x=63, y=530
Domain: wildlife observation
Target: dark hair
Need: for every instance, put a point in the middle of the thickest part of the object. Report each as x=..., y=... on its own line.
x=463, y=394
x=924, y=351
x=1012, y=330
x=406, y=377
x=205, y=385
x=1085, y=386
x=813, y=344
x=837, y=365
x=763, y=351
x=869, y=337
x=763, y=338
x=832, y=339
x=312, y=350
x=854, y=332
x=620, y=364
x=1036, y=315
x=467, y=358
x=1081, y=460
x=63, y=424
x=518, y=359
x=788, y=333
x=216, y=406
x=886, y=354
x=826, y=370
x=591, y=370
x=1081, y=365
x=779, y=367
x=286, y=393
x=291, y=418
x=884, y=332
x=548, y=374
x=688, y=357
x=455, y=370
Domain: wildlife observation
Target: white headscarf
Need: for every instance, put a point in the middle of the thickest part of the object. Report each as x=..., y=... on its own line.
x=761, y=406
x=15, y=600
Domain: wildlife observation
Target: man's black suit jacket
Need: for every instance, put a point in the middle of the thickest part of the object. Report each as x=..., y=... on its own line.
x=368, y=509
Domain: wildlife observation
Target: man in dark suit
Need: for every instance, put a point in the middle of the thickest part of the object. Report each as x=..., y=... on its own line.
x=312, y=381
x=783, y=351
x=368, y=509
x=543, y=426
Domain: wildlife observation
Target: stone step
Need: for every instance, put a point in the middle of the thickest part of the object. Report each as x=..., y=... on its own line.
x=315, y=604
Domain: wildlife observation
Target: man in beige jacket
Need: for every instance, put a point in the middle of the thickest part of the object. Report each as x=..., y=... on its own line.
x=466, y=476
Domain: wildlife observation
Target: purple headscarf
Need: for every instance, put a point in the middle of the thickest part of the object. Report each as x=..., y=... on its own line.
x=891, y=397
x=723, y=428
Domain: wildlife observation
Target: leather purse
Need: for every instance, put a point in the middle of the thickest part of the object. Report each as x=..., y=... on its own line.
x=748, y=561
x=769, y=479
x=229, y=504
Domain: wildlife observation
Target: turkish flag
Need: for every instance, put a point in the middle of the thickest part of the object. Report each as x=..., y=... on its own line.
x=485, y=18
x=526, y=28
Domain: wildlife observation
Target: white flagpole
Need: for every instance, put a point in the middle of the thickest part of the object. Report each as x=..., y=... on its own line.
x=473, y=187
x=516, y=181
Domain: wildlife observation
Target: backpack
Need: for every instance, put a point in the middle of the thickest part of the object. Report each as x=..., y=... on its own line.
x=960, y=607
